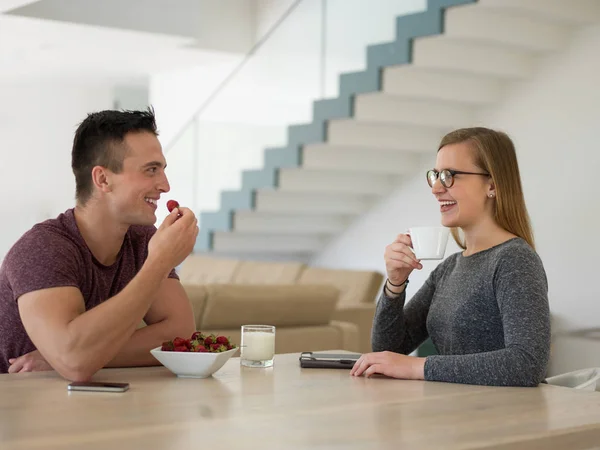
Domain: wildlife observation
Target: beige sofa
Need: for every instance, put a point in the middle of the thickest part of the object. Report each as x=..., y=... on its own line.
x=312, y=308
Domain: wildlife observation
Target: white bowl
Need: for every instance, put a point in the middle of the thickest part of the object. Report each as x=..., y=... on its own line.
x=192, y=364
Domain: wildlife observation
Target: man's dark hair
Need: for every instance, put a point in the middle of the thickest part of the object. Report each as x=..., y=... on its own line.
x=98, y=142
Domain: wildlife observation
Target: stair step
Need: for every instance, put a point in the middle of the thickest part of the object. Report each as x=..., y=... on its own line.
x=238, y=243
x=574, y=12
x=279, y=201
x=357, y=159
x=501, y=27
x=335, y=181
x=386, y=108
x=300, y=224
x=461, y=55
x=468, y=89
x=383, y=136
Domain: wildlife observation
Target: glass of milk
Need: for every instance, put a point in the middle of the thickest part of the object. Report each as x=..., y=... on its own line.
x=258, y=345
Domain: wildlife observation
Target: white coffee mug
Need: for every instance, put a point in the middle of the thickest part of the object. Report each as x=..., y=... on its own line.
x=429, y=242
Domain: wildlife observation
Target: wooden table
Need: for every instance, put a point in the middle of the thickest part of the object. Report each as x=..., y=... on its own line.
x=286, y=407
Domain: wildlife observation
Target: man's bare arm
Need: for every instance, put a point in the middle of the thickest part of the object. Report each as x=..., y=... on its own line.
x=169, y=316
x=77, y=343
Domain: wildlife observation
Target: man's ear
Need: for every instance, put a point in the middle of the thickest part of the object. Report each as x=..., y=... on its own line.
x=101, y=178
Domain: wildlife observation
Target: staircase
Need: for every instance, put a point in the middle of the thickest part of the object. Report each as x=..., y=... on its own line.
x=446, y=63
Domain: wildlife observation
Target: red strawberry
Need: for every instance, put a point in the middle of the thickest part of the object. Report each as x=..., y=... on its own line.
x=188, y=343
x=172, y=204
x=208, y=340
x=201, y=349
x=182, y=348
x=215, y=347
x=167, y=346
x=197, y=336
x=179, y=342
x=222, y=340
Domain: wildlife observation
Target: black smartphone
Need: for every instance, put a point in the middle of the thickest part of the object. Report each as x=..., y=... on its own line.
x=324, y=360
x=98, y=386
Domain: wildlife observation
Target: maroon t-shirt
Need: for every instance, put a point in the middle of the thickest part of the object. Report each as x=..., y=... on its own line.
x=54, y=254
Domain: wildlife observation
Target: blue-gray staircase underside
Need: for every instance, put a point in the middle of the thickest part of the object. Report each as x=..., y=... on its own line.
x=408, y=27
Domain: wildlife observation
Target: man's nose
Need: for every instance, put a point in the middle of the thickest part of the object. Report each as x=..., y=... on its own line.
x=164, y=185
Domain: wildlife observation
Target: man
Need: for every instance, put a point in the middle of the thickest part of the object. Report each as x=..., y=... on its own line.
x=74, y=289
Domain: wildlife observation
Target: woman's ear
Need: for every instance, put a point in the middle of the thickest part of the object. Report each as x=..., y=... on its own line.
x=491, y=191
x=101, y=178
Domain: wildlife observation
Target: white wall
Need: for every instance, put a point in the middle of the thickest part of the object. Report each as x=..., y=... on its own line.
x=130, y=97
x=553, y=120
x=37, y=123
x=176, y=95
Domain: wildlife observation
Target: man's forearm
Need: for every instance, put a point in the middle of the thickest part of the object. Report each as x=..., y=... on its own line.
x=109, y=326
x=136, y=352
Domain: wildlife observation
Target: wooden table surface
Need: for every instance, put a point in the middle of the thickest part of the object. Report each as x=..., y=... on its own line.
x=286, y=407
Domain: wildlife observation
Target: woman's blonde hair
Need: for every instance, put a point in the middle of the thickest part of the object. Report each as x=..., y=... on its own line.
x=495, y=153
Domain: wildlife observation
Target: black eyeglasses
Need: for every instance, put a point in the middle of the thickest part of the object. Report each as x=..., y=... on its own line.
x=447, y=176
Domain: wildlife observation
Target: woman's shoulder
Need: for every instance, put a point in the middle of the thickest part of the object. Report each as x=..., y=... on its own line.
x=517, y=256
x=516, y=248
x=510, y=254
x=512, y=248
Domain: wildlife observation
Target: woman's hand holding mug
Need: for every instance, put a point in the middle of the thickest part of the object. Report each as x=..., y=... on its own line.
x=400, y=259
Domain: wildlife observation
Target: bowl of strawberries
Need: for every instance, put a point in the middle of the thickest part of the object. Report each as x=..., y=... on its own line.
x=197, y=357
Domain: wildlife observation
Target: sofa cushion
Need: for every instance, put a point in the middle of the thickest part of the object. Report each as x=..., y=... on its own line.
x=335, y=336
x=356, y=286
x=259, y=272
x=202, y=270
x=197, y=295
x=230, y=306
x=362, y=316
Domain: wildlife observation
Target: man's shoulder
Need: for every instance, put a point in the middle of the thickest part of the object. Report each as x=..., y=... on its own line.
x=50, y=236
x=48, y=255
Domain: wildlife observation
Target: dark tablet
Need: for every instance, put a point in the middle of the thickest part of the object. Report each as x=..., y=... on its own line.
x=324, y=360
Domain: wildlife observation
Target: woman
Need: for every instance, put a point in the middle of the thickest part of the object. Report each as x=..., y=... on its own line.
x=486, y=308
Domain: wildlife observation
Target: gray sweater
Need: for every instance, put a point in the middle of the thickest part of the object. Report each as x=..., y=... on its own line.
x=487, y=315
